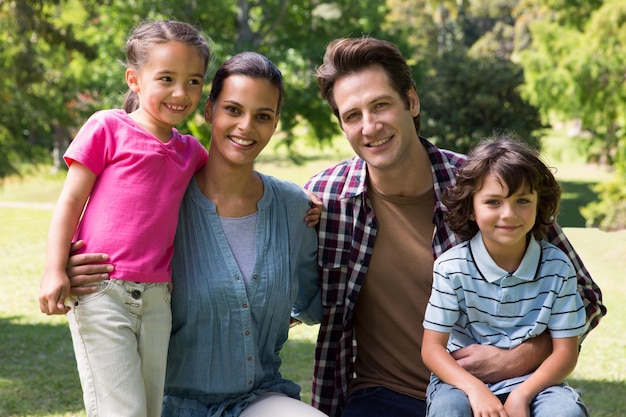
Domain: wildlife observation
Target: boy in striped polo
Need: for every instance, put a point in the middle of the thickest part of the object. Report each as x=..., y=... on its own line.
x=502, y=286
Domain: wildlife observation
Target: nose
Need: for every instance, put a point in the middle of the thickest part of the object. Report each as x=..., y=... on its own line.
x=180, y=90
x=508, y=210
x=371, y=125
x=245, y=122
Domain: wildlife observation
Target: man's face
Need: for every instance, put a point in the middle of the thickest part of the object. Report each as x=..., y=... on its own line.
x=374, y=118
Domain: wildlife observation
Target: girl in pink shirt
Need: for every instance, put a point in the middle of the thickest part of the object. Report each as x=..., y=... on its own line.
x=128, y=171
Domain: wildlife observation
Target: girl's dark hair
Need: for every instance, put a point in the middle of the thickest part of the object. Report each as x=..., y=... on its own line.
x=249, y=64
x=516, y=165
x=350, y=55
x=151, y=33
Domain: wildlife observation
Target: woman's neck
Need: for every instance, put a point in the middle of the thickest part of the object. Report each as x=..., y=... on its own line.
x=235, y=190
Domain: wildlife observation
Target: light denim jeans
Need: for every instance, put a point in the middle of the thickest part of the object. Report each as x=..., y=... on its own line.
x=444, y=400
x=120, y=335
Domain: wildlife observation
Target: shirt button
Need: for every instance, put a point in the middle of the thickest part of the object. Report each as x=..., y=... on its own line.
x=249, y=358
x=256, y=276
x=245, y=306
x=247, y=332
x=136, y=294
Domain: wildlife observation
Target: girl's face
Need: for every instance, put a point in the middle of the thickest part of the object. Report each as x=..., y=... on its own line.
x=169, y=86
x=504, y=221
x=243, y=118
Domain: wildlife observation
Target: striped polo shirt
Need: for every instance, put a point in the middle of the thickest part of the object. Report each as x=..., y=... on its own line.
x=476, y=301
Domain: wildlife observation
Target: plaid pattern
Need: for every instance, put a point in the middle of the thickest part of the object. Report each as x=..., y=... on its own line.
x=347, y=230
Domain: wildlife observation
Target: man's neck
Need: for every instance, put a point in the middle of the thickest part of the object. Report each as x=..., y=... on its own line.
x=411, y=177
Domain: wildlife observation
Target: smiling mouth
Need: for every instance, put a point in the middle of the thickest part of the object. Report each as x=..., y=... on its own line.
x=378, y=143
x=241, y=141
x=175, y=108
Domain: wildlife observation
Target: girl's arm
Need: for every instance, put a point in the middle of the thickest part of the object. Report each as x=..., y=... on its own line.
x=435, y=356
x=55, y=284
x=552, y=371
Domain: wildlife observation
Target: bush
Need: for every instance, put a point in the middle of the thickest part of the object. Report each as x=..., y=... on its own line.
x=609, y=212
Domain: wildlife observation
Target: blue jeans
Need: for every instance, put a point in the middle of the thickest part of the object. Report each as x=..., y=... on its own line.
x=383, y=402
x=444, y=400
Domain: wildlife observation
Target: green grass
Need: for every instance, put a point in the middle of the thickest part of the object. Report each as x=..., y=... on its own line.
x=37, y=369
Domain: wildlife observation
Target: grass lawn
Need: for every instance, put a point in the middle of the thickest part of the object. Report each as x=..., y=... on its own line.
x=37, y=368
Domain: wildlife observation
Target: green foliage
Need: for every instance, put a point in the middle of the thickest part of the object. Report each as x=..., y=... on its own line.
x=467, y=98
x=576, y=72
x=609, y=212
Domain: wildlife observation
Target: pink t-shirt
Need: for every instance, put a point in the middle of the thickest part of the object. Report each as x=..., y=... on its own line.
x=132, y=212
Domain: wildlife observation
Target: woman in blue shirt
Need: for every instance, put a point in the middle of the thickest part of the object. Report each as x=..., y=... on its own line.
x=244, y=259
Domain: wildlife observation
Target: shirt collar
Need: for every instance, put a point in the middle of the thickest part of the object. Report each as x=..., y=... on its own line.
x=527, y=269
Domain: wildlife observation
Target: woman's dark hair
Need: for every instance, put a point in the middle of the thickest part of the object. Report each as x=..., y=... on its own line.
x=517, y=166
x=349, y=55
x=151, y=33
x=249, y=64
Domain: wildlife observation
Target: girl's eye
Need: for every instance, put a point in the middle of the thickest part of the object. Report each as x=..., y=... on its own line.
x=166, y=79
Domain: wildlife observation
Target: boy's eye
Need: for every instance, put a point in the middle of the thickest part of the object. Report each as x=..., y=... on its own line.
x=166, y=78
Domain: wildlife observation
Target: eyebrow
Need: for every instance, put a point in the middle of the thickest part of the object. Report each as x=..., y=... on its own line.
x=168, y=72
x=373, y=100
x=260, y=109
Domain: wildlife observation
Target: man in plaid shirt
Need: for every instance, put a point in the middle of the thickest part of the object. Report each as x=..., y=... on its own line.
x=380, y=230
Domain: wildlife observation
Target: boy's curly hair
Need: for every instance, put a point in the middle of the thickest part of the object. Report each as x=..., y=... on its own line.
x=517, y=166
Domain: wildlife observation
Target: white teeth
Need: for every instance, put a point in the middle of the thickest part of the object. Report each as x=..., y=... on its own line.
x=177, y=108
x=241, y=141
x=379, y=142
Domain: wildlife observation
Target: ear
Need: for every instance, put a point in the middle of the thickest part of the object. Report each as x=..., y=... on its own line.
x=276, y=120
x=414, y=102
x=132, y=79
x=208, y=110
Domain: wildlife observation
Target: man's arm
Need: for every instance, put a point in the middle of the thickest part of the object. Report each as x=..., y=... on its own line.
x=82, y=271
x=491, y=364
x=587, y=288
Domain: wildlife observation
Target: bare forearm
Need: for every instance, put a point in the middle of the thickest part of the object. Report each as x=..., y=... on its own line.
x=491, y=364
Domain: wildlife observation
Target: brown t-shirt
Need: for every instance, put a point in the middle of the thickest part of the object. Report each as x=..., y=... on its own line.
x=390, y=306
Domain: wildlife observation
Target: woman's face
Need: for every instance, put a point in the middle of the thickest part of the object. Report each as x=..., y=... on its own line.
x=243, y=118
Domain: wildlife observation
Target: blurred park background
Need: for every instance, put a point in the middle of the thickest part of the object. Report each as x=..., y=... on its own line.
x=553, y=71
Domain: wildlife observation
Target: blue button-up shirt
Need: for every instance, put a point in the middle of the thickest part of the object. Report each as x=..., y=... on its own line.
x=226, y=335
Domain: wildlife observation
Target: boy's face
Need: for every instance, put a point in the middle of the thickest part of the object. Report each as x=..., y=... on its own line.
x=504, y=221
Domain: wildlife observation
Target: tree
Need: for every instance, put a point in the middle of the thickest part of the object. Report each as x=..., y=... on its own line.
x=468, y=98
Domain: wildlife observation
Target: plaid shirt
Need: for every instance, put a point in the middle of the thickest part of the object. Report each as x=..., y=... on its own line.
x=347, y=231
